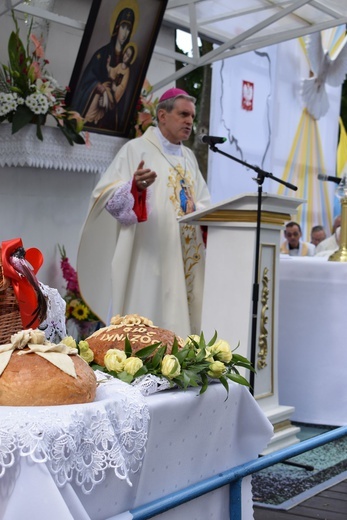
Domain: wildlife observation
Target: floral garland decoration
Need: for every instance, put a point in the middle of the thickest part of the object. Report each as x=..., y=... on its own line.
x=196, y=364
x=28, y=94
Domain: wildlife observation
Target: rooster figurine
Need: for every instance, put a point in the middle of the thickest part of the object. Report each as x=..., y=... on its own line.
x=325, y=70
x=20, y=267
x=24, y=269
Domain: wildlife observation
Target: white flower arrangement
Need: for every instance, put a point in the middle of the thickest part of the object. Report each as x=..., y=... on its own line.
x=28, y=94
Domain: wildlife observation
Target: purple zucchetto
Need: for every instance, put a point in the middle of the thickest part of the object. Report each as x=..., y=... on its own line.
x=172, y=93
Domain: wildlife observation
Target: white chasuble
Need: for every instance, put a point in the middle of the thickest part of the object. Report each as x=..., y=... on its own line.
x=153, y=268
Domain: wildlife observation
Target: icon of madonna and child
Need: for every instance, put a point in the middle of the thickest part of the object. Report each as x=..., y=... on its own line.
x=100, y=96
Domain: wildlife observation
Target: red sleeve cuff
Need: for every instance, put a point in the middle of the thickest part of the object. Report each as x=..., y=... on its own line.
x=140, y=197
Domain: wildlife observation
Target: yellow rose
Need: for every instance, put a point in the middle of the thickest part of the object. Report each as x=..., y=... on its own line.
x=132, y=365
x=87, y=355
x=192, y=337
x=170, y=366
x=83, y=346
x=221, y=351
x=69, y=342
x=216, y=369
x=114, y=360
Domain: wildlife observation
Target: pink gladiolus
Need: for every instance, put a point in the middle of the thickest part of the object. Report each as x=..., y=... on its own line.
x=38, y=51
x=70, y=275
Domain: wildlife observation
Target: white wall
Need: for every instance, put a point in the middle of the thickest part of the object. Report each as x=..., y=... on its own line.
x=44, y=207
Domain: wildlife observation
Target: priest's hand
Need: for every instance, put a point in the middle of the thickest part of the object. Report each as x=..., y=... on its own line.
x=144, y=177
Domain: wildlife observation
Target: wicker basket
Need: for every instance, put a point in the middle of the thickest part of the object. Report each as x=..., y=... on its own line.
x=10, y=320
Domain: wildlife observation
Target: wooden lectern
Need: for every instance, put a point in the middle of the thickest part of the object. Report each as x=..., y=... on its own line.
x=229, y=279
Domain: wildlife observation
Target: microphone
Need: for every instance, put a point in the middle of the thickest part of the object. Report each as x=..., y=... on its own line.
x=323, y=177
x=211, y=139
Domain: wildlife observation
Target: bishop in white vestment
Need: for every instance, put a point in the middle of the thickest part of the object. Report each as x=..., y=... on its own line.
x=134, y=256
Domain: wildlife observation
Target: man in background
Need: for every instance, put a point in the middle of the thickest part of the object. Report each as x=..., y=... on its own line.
x=331, y=244
x=293, y=245
x=317, y=235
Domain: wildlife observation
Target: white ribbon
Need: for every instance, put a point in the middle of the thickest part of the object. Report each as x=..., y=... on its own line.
x=58, y=355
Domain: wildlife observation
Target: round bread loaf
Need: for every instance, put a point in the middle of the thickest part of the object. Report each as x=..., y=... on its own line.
x=30, y=380
x=140, y=331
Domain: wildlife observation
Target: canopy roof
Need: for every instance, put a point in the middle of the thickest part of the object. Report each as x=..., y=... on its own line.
x=236, y=26
x=240, y=27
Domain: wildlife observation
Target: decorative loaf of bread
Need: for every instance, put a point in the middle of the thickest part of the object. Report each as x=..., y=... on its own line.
x=35, y=372
x=30, y=380
x=140, y=331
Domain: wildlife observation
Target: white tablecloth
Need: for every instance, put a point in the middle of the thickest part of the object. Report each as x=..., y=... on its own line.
x=190, y=438
x=313, y=339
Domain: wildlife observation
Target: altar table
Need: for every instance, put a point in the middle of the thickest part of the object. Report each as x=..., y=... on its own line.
x=313, y=339
x=188, y=438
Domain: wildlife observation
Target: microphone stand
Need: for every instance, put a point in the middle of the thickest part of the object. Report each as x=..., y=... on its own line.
x=261, y=174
